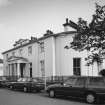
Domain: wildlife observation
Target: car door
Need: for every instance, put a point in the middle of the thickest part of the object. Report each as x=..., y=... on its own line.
x=78, y=89
x=19, y=85
x=66, y=89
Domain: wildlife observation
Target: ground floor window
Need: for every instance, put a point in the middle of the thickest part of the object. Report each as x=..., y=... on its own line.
x=77, y=66
x=42, y=63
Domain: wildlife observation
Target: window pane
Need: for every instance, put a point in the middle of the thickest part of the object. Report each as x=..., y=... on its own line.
x=74, y=62
x=29, y=50
x=42, y=46
x=76, y=66
x=78, y=62
x=42, y=68
x=13, y=53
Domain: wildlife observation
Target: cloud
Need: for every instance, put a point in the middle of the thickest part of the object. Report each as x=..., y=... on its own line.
x=4, y=3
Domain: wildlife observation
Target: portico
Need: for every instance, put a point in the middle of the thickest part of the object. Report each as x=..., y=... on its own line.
x=18, y=66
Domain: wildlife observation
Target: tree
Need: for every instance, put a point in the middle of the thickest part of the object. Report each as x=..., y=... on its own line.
x=102, y=72
x=91, y=36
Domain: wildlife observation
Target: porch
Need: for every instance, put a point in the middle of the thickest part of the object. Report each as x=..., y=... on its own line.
x=18, y=66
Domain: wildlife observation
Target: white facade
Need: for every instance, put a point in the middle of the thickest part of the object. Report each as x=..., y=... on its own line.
x=47, y=58
x=1, y=69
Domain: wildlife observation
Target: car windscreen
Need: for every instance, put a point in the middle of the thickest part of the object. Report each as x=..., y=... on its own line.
x=34, y=80
x=70, y=81
x=20, y=79
x=24, y=79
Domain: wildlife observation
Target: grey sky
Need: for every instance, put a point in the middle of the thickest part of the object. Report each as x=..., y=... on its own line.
x=26, y=18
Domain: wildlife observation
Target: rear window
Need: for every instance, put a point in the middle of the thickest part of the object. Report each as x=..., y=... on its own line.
x=97, y=81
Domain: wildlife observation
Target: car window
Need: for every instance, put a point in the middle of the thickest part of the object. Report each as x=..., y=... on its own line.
x=24, y=79
x=70, y=81
x=20, y=79
x=29, y=79
x=97, y=81
x=80, y=81
x=34, y=80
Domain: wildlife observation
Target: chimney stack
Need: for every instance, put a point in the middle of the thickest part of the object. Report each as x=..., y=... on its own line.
x=48, y=32
x=67, y=26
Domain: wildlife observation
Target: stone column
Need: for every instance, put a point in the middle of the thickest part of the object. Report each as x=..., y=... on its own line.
x=9, y=69
x=18, y=69
x=15, y=69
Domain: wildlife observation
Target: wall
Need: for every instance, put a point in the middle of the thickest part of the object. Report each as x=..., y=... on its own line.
x=64, y=58
x=48, y=56
x=1, y=69
x=31, y=58
x=58, y=60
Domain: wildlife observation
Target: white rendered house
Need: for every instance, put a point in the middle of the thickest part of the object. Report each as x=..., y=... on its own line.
x=47, y=56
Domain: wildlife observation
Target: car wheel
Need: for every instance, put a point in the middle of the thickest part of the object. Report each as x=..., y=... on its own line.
x=52, y=93
x=90, y=98
x=25, y=89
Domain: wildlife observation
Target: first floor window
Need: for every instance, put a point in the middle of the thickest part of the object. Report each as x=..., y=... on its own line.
x=29, y=50
x=77, y=66
x=20, y=51
x=42, y=47
x=7, y=56
x=13, y=53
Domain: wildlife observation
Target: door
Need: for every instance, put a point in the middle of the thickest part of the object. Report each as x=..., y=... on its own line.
x=22, y=65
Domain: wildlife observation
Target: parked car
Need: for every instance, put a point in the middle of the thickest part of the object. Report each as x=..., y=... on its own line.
x=27, y=84
x=3, y=82
x=90, y=88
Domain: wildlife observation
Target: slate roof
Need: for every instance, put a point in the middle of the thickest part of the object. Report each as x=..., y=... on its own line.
x=41, y=38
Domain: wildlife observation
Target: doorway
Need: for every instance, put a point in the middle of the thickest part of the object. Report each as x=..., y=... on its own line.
x=22, y=66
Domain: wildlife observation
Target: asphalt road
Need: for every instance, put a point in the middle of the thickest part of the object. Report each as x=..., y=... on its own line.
x=9, y=97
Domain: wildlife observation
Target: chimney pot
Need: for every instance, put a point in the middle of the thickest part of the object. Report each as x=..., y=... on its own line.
x=67, y=20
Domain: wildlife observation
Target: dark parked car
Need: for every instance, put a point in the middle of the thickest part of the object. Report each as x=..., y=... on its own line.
x=90, y=88
x=3, y=82
x=27, y=84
